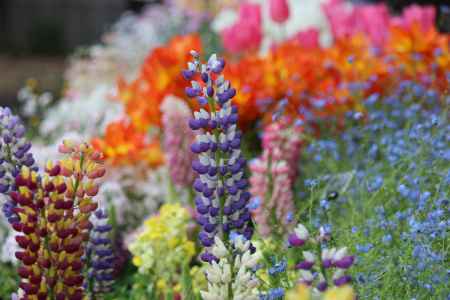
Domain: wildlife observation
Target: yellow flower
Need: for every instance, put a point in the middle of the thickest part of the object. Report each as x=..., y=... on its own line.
x=301, y=292
x=173, y=242
x=340, y=293
x=189, y=247
x=137, y=261
x=163, y=247
x=161, y=284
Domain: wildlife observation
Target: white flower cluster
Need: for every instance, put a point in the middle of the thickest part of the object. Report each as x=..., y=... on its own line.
x=31, y=102
x=86, y=115
x=231, y=277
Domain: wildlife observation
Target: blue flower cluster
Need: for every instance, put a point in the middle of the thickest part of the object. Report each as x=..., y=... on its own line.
x=397, y=204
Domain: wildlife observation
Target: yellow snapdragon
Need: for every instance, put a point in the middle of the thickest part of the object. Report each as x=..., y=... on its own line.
x=162, y=247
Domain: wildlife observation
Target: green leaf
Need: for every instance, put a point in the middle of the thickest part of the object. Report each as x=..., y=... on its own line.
x=186, y=284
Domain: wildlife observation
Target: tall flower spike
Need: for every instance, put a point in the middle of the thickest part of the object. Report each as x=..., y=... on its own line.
x=273, y=175
x=69, y=186
x=29, y=201
x=271, y=185
x=100, y=254
x=15, y=153
x=221, y=186
x=177, y=140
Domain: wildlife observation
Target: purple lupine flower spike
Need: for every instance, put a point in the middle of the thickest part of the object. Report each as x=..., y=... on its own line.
x=221, y=186
x=14, y=153
x=102, y=258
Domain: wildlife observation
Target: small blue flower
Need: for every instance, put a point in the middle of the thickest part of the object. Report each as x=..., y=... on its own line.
x=325, y=204
x=254, y=203
x=275, y=293
x=375, y=184
x=278, y=268
x=387, y=239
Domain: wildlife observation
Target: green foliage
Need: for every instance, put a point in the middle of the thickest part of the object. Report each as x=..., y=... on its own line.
x=9, y=280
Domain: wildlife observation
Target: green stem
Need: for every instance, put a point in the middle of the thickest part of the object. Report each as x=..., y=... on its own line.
x=191, y=197
x=322, y=269
x=173, y=196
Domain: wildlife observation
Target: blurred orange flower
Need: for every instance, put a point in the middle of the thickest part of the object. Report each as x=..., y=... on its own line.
x=160, y=76
x=123, y=144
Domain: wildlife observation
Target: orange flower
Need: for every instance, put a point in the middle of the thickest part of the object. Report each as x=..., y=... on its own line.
x=124, y=144
x=160, y=76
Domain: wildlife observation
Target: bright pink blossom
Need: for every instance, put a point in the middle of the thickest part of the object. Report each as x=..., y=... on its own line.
x=246, y=33
x=372, y=20
x=279, y=10
x=340, y=18
x=425, y=16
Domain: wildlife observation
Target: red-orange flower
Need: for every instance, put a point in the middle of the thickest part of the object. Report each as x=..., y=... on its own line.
x=124, y=144
x=160, y=76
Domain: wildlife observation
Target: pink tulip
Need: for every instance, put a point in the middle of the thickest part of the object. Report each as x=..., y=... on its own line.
x=339, y=17
x=250, y=13
x=425, y=16
x=372, y=20
x=279, y=10
x=246, y=33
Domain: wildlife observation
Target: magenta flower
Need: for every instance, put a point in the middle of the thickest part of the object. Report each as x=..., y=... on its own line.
x=373, y=20
x=279, y=10
x=425, y=16
x=246, y=33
